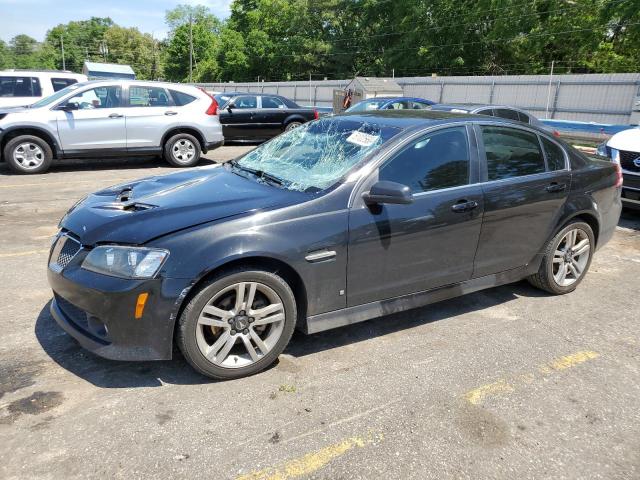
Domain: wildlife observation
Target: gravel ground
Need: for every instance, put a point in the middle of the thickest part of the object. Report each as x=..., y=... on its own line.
x=505, y=383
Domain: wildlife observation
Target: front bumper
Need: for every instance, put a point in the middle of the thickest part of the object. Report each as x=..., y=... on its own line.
x=99, y=312
x=630, y=189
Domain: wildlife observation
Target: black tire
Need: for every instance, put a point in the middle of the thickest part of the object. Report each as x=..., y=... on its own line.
x=544, y=278
x=186, y=335
x=44, y=157
x=173, y=157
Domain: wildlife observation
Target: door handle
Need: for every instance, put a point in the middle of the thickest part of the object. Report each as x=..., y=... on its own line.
x=464, y=206
x=170, y=113
x=556, y=187
x=116, y=115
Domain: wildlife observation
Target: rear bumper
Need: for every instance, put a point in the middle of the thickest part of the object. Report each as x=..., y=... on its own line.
x=99, y=312
x=213, y=145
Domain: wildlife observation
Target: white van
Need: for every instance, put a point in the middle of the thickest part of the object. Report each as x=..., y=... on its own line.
x=24, y=87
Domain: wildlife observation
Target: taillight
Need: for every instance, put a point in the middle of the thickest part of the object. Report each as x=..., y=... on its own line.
x=556, y=133
x=316, y=115
x=213, y=108
x=618, y=174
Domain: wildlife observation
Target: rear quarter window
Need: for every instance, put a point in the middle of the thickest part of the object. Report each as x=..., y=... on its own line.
x=181, y=99
x=555, y=155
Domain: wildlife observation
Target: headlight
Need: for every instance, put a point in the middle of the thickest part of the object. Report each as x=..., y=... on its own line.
x=602, y=149
x=127, y=262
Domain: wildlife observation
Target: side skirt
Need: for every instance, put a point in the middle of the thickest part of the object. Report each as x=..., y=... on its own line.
x=360, y=313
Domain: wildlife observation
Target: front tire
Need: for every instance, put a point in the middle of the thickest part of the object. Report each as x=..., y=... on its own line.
x=566, y=260
x=182, y=150
x=237, y=324
x=28, y=154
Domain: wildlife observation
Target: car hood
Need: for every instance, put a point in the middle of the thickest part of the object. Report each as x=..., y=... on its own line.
x=628, y=140
x=5, y=110
x=139, y=211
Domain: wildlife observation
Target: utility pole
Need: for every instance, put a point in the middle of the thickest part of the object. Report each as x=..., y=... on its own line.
x=549, y=90
x=190, y=48
x=64, y=65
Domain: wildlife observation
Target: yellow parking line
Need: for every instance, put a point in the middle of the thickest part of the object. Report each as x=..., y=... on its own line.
x=311, y=462
x=477, y=395
x=22, y=254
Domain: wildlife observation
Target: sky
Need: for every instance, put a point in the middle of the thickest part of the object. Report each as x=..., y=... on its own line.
x=35, y=17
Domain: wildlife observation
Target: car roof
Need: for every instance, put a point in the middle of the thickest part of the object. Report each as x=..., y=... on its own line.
x=470, y=106
x=416, y=119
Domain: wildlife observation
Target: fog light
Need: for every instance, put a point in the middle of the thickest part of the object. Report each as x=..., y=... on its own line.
x=142, y=301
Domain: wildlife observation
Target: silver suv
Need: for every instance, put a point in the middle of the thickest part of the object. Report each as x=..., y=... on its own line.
x=111, y=118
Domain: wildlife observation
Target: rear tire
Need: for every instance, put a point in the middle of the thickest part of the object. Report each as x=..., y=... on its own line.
x=182, y=150
x=28, y=154
x=228, y=332
x=567, y=257
x=292, y=125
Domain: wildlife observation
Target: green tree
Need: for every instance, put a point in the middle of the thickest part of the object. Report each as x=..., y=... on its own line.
x=82, y=41
x=192, y=25
x=130, y=47
x=6, y=60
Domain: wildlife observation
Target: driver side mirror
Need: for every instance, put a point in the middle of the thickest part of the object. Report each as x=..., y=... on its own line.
x=388, y=192
x=70, y=107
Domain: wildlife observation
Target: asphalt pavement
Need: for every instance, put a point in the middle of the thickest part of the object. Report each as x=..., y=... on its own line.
x=505, y=383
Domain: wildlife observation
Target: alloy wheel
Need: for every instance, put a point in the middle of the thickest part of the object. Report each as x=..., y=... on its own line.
x=240, y=324
x=571, y=257
x=28, y=155
x=183, y=150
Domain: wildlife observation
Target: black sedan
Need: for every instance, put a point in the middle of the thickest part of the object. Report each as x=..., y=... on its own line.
x=341, y=220
x=256, y=117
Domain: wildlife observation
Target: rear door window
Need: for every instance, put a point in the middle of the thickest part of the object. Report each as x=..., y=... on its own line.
x=555, y=155
x=486, y=111
x=60, y=83
x=148, y=97
x=511, y=152
x=20, y=87
x=524, y=118
x=272, y=102
x=181, y=99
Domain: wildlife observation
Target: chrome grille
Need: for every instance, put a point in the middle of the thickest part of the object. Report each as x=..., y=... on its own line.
x=627, y=161
x=63, y=252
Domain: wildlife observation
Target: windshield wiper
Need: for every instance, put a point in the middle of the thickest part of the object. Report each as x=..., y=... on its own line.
x=261, y=174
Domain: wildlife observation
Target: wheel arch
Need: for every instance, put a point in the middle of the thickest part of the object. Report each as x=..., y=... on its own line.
x=294, y=117
x=13, y=132
x=270, y=264
x=188, y=130
x=587, y=217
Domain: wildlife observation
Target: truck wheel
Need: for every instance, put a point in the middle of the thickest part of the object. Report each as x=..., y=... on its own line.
x=182, y=150
x=28, y=154
x=237, y=324
x=566, y=260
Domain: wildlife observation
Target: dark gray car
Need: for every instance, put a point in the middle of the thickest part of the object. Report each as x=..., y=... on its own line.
x=340, y=220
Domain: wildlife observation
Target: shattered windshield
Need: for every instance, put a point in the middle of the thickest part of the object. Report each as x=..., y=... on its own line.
x=315, y=155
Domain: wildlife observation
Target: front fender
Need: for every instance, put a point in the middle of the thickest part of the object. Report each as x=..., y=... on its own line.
x=279, y=236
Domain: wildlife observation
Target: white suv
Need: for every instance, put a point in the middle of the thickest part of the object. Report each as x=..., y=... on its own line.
x=24, y=87
x=624, y=148
x=111, y=118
